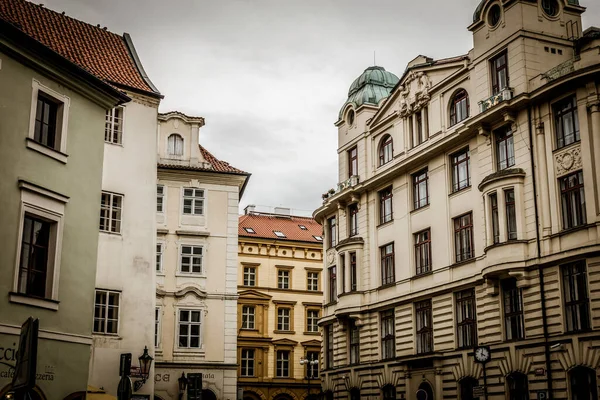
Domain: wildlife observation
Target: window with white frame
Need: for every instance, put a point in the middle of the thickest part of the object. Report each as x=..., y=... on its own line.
x=283, y=363
x=191, y=259
x=159, y=257
x=160, y=198
x=312, y=281
x=283, y=279
x=249, y=276
x=113, y=128
x=283, y=319
x=193, y=201
x=175, y=145
x=111, y=207
x=157, y=327
x=106, y=312
x=189, y=329
x=312, y=317
x=248, y=317
x=247, y=362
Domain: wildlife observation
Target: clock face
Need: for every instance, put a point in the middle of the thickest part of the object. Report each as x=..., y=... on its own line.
x=482, y=354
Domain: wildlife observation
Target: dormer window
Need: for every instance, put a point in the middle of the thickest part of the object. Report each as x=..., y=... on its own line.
x=175, y=145
x=350, y=119
x=279, y=234
x=250, y=230
x=494, y=15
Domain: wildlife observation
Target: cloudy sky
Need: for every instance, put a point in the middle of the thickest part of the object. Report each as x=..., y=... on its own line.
x=270, y=76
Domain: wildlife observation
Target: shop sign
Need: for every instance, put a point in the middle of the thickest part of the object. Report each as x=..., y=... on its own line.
x=167, y=377
x=8, y=358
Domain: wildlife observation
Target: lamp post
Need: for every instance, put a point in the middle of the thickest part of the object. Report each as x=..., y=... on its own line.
x=145, y=364
x=309, y=371
x=182, y=381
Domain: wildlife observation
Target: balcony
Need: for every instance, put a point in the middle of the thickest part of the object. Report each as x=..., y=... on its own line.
x=348, y=183
x=504, y=95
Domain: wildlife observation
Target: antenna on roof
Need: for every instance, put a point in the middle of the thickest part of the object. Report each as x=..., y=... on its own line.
x=374, y=63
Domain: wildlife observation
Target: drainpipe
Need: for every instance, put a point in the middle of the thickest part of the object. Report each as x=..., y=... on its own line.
x=539, y=256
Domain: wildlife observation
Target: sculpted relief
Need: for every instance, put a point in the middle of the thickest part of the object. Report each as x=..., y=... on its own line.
x=414, y=93
x=567, y=161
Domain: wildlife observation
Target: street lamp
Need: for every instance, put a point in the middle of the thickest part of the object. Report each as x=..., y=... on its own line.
x=145, y=364
x=309, y=371
x=182, y=381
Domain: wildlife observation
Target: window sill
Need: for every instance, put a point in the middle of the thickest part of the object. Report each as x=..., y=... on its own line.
x=459, y=263
x=284, y=332
x=423, y=274
x=572, y=230
x=248, y=330
x=422, y=208
x=114, y=336
x=190, y=275
x=382, y=224
x=47, y=151
x=312, y=333
x=114, y=144
x=500, y=244
x=39, y=302
x=462, y=190
x=116, y=234
x=387, y=285
x=183, y=352
x=192, y=233
x=574, y=144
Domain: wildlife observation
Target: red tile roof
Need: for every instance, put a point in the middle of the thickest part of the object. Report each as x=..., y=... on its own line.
x=96, y=50
x=265, y=224
x=216, y=164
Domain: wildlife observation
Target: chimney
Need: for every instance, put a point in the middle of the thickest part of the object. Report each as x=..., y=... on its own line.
x=249, y=209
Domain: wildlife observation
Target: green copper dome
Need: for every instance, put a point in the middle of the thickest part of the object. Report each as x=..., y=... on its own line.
x=372, y=86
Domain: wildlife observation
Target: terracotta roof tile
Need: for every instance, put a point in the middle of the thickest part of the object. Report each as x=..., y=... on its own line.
x=216, y=164
x=265, y=224
x=98, y=51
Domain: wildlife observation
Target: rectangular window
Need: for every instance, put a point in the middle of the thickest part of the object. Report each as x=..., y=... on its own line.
x=495, y=217
x=190, y=326
x=461, y=176
x=566, y=122
x=283, y=319
x=353, y=273
x=343, y=272
x=193, y=201
x=572, y=200
x=191, y=259
x=312, y=281
x=463, y=237
x=420, y=189
x=352, y=162
x=113, y=129
x=424, y=327
x=247, y=362
x=249, y=276
x=111, y=207
x=499, y=73
x=505, y=149
x=332, y=284
x=312, y=317
x=159, y=257
x=466, y=330
x=157, y=327
x=283, y=363
x=388, y=275
x=577, y=304
x=353, y=220
x=35, y=255
x=423, y=252
x=511, y=214
x=513, y=310
x=331, y=225
x=388, y=335
x=283, y=279
x=312, y=370
x=248, y=316
x=385, y=206
x=354, y=340
x=160, y=198
x=106, y=312
x=46, y=114
x=329, y=346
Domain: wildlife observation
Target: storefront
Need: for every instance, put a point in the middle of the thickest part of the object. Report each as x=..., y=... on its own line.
x=167, y=386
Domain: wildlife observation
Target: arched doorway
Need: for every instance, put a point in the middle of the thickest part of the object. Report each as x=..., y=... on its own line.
x=281, y=396
x=583, y=385
x=389, y=392
x=517, y=386
x=466, y=388
x=355, y=394
x=425, y=392
x=208, y=394
x=249, y=395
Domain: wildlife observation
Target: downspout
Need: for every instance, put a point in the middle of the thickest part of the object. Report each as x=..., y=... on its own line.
x=539, y=256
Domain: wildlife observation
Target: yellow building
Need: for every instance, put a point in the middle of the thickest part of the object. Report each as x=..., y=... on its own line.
x=466, y=218
x=280, y=300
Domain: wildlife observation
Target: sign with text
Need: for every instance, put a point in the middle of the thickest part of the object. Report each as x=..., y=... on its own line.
x=478, y=391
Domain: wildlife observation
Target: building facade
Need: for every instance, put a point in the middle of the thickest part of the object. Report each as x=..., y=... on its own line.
x=196, y=262
x=52, y=115
x=280, y=300
x=465, y=221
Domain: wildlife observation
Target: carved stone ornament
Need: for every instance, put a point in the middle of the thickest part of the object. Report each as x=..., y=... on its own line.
x=330, y=256
x=418, y=84
x=568, y=161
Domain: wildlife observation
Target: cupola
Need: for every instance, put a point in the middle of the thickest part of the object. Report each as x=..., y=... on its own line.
x=372, y=86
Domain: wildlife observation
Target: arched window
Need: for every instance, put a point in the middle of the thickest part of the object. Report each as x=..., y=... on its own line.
x=175, y=145
x=517, y=386
x=466, y=388
x=386, y=150
x=425, y=392
x=355, y=394
x=389, y=392
x=583, y=384
x=459, y=108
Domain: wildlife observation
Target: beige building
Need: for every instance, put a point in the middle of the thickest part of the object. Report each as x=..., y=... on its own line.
x=196, y=262
x=280, y=300
x=465, y=223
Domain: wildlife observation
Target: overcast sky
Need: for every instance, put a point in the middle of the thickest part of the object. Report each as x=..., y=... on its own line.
x=270, y=76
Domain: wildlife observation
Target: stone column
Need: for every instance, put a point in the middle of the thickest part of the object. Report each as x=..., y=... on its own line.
x=543, y=176
x=595, y=134
x=425, y=123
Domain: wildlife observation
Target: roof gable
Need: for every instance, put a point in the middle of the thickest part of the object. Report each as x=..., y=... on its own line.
x=252, y=294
